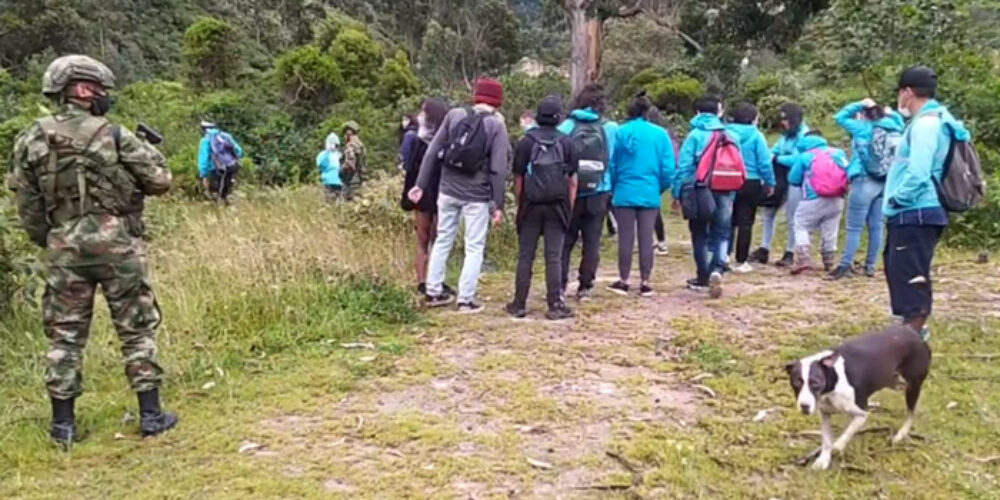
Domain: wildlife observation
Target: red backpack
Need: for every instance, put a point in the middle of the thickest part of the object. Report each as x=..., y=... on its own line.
x=721, y=166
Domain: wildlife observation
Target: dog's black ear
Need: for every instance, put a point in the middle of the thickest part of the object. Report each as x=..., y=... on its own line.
x=791, y=366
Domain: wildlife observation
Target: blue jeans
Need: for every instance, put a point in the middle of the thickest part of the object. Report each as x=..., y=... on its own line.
x=864, y=209
x=712, y=237
x=451, y=212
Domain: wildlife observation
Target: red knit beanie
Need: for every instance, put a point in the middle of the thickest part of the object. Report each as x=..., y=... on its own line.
x=488, y=91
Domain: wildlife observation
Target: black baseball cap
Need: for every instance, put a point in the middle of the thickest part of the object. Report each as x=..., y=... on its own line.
x=917, y=77
x=550, y=107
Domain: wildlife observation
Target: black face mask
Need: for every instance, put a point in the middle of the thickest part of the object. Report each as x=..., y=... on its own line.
x=101, y=105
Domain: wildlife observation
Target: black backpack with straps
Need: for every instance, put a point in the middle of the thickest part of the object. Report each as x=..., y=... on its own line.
x=546, y=180
x=468, y=152
x=591, y=143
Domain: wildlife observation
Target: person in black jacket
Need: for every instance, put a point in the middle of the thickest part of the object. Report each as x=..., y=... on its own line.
x=545, y=204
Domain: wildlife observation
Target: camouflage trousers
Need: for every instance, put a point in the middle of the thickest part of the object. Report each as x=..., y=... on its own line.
x=68, y=307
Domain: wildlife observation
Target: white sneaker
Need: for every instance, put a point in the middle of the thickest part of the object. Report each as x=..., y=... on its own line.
x=662, y=249
x=743, y=268
x=715, y=285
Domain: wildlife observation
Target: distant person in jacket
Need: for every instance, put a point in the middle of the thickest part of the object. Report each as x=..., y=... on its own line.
x=760, y=181
x=219, y=158
x=354, y=164
x=407, y=139
x=642, y=168
x=875, y=135
x=328, y=162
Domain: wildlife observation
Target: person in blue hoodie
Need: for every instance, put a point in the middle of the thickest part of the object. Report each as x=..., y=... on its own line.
x=865, y=121
x=815, y=212
x=708, y=236
x=760, y=181
x=592, y=202
x=642, y=167
x=328, y=162
x=794, y=129
x=218, y=186
x=916, y=217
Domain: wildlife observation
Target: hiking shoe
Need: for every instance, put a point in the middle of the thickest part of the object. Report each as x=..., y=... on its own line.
x=156, y=424
x=440, y=300
x=661, y=249
x=646, y=291
x=715, y=285
x=584, y=294
x=471, y=307
x=422, y=289
x=829, y=260
x=449, y=290
x=559, y=312
x=840, y=272
x=515, y=311
x=696, y=285
x=760, y=255
x=786, y=260
x=802, y=260
x=743, y=268
x=870, y=272
x=619, y=288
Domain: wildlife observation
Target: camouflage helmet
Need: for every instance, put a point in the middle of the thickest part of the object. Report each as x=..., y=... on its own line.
x=352, y=126
x=67, y=69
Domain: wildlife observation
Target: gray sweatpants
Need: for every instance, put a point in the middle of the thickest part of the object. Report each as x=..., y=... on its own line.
x=822, y=214
x=633, y=221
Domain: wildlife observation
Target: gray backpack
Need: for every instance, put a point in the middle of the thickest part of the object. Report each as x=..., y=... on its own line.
x=962, y=185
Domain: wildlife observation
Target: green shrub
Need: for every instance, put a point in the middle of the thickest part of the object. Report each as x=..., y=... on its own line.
x=396, y=81
x=643, y=80
x=358, y=57
x=676, y=94
x=308, y=78
x=211, y=53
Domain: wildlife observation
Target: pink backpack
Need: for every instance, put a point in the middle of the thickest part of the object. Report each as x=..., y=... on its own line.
x=825, y=177
x=721, y=166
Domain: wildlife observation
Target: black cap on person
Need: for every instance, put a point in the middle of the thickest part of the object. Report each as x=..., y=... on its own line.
x=550, y=111
x=921, y=77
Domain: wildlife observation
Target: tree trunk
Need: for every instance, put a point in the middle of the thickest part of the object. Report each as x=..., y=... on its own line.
x=580, y=52
x=595, y=49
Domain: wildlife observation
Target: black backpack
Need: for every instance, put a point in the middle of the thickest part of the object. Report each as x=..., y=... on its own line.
x=591, y=144
x=468, y=150
x=546, y=180
x=962, y=186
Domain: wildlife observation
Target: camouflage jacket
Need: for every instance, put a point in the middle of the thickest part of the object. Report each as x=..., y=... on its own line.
x=354, y=163
x=80, y=183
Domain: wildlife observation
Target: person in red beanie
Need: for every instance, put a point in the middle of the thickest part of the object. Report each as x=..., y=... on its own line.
x=470, y=152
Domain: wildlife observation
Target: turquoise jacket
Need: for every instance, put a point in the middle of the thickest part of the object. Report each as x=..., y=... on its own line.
x=610, y=131
x=642, y=165
x=756, y=156
x=205, y=166
x=329, y=168
x=787, y=147
x=861, y=133
x=702, y=127
x=920, y=160
x=802, y=163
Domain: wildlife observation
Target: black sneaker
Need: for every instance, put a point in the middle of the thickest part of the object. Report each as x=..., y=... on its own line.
x=516, y=312
x=697, y=285
x=619, y=288
x=870, y=272
x=449, y=290
x=422, y=289
x=715, y=285
x=761, y=255
x=840, y=272
x=154, y=425
x=786, y=260
x=472, y=307
x=584, y=294
x=441, y=300
x=646, y=291
x=559, y=312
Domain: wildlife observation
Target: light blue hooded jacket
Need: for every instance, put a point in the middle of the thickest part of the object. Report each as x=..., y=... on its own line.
x=802, y=163
x=328, y=162
x=756, y=156
x=920, y=160
x=205, y=165
x=642, y=165
x=787, y=147
x=703, y=126
x=861, y=133
x=588, y=115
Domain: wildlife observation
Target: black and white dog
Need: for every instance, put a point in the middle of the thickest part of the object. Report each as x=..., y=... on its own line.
x=841, y=381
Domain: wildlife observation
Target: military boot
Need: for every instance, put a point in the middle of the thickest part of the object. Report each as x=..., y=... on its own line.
x=63, y=429
x=829, y=261
x=803, y=261
x=152, y=419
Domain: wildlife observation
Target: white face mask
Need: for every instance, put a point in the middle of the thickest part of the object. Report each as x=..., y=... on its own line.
x=902, y=107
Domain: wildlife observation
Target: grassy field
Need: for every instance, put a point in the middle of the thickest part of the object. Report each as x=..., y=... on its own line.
x=301, y=369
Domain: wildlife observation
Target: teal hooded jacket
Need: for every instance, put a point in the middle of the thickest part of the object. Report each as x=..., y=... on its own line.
x=802, y=163
x=861, y=133
x=588, y=115
x=642, y=165
x=920, y=160
x=787, y=147
x=703, y=126
x=756, y=156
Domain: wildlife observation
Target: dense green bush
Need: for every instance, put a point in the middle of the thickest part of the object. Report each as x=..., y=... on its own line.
x=358, y=57
x=308, y=78
x=211, y=53
x=676, y=94
x=396, y=80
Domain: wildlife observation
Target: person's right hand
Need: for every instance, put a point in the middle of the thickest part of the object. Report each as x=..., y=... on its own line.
x=868, y=103
x=416, y=194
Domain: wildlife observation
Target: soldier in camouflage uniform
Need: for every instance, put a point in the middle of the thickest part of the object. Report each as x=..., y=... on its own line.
x=80, y=183
x=354, y=164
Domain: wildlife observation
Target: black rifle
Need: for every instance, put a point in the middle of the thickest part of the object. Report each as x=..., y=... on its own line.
x=149, y=134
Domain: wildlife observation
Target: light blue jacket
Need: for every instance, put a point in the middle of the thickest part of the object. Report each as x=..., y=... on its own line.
x=610, y=131
x=802, y=163
x=756, y=156
x=787, y=147
x=702, y=127
x=920, y=160
x=205, y=165
x=642, y=165
x=861, y=133
x=329, y=167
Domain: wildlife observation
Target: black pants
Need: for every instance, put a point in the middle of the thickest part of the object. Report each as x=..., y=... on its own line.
x=539, y=221
x=909, y=251
x=587, y=223
x=661, y=231
x=220, y=185
x=744, y=216
x=633, y=223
